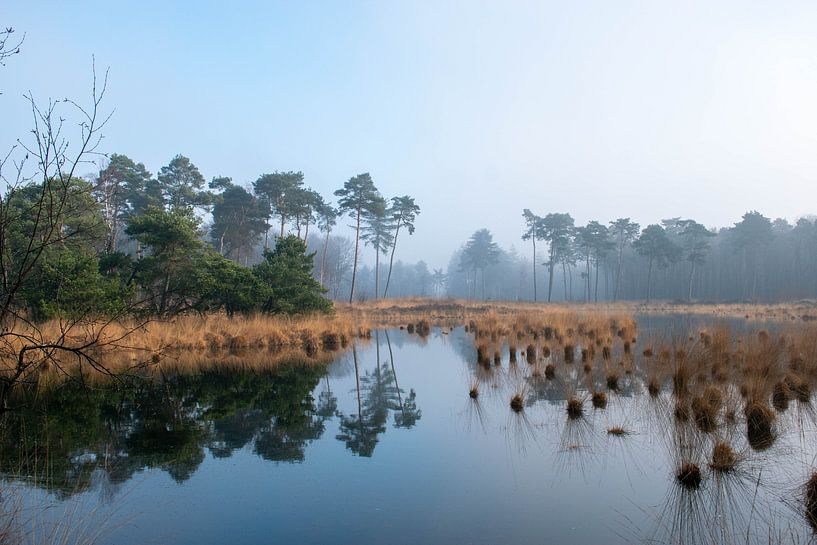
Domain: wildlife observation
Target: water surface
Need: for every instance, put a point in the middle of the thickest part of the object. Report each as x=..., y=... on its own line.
x=386, y=446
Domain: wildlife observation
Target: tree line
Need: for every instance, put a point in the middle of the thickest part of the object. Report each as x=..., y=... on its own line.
x=125, y=240
x=680, y=259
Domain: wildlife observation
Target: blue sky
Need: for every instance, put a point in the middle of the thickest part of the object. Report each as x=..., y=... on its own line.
x=479, y=109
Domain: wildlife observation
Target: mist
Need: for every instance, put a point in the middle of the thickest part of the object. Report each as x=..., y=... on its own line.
x=476, y=109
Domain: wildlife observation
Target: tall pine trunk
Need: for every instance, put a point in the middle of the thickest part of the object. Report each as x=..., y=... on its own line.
x=596, y=287
x=618, y=271
x=323, y=257
x=376, y=273
x=564, y=278
x=391, y=259
x=533, y=238
x=354, y=266
x=551, y=264
x=691, y=275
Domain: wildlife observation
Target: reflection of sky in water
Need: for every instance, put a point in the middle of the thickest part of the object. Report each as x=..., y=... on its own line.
x=437, y=467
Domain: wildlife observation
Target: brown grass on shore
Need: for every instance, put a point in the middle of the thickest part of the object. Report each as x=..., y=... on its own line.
x=191, y=340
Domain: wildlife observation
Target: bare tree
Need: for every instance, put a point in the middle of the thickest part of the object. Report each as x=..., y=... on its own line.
x=45, y=167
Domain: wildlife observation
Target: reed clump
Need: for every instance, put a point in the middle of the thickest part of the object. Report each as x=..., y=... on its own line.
x=724, y=457
x=689, y=476
x=575, y=408
x=599, y=400
x=810, y=500
x=530, y=354
x=612, y=380
x=780, y=396
x=550, y=371
x=759, y=425
x=517, y=402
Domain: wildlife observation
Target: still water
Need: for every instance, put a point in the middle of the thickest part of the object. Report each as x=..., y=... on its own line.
x=385, y=446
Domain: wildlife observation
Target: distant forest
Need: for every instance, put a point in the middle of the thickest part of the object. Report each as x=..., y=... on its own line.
x=124, y=240
x=756, y=259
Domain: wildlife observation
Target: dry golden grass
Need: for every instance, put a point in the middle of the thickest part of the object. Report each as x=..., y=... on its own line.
x=437, y=310
x=189, y=342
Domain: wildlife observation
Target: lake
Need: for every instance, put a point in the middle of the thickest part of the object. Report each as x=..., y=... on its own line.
x=385, y=445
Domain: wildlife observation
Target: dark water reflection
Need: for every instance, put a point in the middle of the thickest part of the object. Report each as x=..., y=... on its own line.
x=385, y=446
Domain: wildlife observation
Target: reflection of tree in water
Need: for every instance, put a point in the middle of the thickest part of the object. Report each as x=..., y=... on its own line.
x=327, y=401
x=100, y=437
x=162, y=422
x=409, y=414
x=377, y=394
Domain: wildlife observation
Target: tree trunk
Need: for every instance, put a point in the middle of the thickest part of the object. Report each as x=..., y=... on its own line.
x=323, y=257
x=691, y=275
x=618, y=272
x=564, y=278
x=550, y=276
x=533, y=238
x=114, y=231
x=163, y=300
x=649, y=282
x=354, y=266
x=391, y=259
x=596, y=287
x=376, y=273
x=283, y=220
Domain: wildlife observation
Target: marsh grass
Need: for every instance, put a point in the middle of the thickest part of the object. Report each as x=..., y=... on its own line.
x=617, y=431
x=188, y=341
x=810, y=501
x=689, y=476
x=599, y=400
x=724, y=458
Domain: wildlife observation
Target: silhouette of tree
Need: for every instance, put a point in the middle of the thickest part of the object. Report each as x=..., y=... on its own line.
x=275, y=189
x=557, y=230
x=535, y=231
x=182, y=184
x=480, y=252
x=377, y=232
x=749, y=237
x=695, y=243
x=403, y=212
x=656, y=246
x=625, y=232
x=357, y=197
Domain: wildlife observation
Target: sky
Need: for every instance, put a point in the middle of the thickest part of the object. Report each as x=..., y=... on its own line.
x=645, y=110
